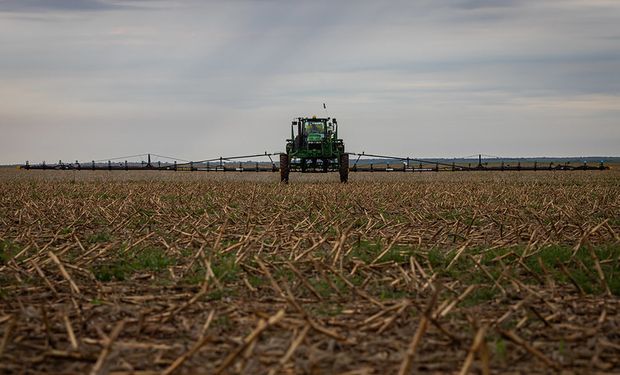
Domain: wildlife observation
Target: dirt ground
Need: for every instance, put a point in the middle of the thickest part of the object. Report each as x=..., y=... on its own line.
x=193, y=272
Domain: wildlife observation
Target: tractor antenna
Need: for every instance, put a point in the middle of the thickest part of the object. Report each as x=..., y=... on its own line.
x=325, y=108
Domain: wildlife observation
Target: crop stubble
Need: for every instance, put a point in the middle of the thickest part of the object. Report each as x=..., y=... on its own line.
x=391, y=273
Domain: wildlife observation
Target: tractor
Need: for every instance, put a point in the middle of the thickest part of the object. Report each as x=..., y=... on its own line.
x=314, y=147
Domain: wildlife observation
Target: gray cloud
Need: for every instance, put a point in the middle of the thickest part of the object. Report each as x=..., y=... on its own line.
x=55, y=5
x=62, y=6
x=486, y=4
x=426, y=78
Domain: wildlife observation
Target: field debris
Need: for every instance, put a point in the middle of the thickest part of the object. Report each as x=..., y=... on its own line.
x=433, y=273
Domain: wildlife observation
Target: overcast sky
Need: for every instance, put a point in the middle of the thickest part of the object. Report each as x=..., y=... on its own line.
x=93, y=79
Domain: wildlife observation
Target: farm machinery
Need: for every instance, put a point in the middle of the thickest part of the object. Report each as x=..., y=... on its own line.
x=314, y=146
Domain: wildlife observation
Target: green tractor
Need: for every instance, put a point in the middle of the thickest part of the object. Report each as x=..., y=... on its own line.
x=314, y=147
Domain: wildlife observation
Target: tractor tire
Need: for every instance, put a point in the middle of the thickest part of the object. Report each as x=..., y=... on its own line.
x=344, y=168
x=285, y=168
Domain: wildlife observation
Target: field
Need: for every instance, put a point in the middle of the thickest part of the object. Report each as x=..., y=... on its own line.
x=178, y=272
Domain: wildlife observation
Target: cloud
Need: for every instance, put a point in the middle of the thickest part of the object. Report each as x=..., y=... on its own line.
x=60, y=6
x=55, y=5
x=428, y=78
x=486, y=4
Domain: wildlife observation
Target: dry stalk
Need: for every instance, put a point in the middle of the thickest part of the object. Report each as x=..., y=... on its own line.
x=7, y=334
x=405, y=366
x=458, y=254
x=195, y=297
x=65, y=274
x=387, y=249
x=187, y=355
x=105, y=352
x=299, y=338
x=510, y=335
x=443, y=311
x=303, y=280
x=262, y=326
x=476, y=347
x=599, y=271
x=70, y=333
x=40, y=272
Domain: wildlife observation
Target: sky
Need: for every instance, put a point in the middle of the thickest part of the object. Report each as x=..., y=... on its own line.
x=96, y=79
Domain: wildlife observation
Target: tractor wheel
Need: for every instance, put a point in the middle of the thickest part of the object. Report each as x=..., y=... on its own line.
x=344, y=167
x=284, y=168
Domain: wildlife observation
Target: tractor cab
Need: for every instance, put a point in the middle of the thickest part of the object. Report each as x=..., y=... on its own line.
x=311, y=132
x=314, y=131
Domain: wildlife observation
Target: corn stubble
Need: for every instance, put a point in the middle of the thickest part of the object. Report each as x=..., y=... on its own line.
x=191, y=273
